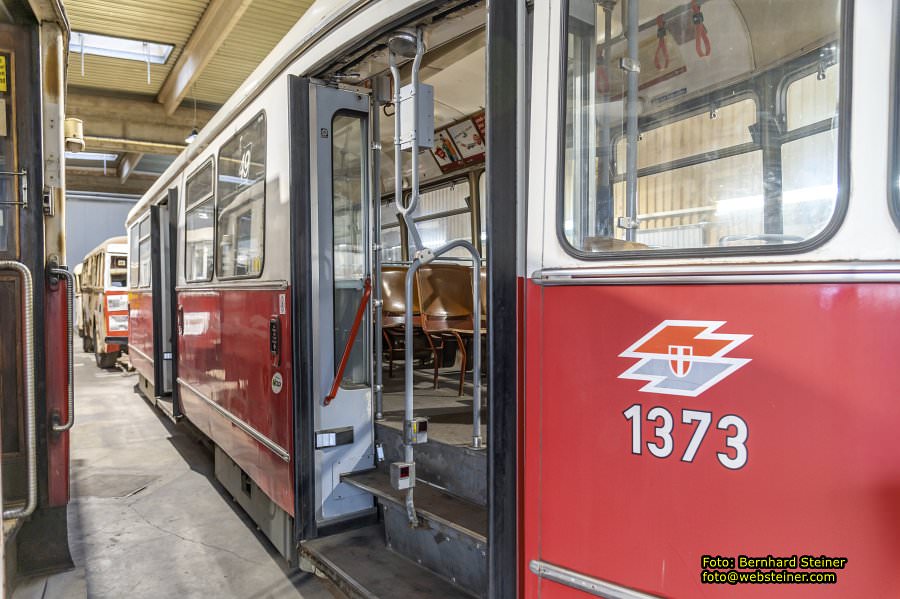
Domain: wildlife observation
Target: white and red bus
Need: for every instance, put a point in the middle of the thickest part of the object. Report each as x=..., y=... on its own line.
x=687, y=217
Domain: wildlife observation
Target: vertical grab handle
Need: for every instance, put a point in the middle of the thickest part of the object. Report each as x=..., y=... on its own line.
x=70, y=355
x=179, y=319
x=275, y=340
x=360, y=312
x=28, y=301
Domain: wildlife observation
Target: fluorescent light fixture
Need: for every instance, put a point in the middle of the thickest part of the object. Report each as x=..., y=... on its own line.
x=118, y=47
x=97, y=156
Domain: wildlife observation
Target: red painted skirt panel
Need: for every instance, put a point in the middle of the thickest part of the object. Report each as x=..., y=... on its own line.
x=796, y=389
x=224, y=353
x=140, y=332
x=57, y=389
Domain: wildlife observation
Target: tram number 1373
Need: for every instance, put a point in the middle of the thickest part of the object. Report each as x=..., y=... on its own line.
x=662, y=447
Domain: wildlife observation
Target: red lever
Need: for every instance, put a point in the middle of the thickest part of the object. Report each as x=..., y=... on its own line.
x=701, y=39
x=662, y=51
x=360, y=312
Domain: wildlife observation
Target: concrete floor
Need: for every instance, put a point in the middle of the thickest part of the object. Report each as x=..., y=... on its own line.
x=147, y=518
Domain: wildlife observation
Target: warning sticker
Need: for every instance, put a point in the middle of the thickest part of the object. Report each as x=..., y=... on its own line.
x=3, y=83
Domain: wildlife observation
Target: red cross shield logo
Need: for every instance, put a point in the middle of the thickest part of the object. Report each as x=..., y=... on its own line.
x=680, y=365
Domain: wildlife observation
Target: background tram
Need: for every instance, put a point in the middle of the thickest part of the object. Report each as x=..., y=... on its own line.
x=687, y=279
x=103, y=301
x=36, y=407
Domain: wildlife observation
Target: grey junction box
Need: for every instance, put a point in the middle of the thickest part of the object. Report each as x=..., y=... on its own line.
x=425, y=98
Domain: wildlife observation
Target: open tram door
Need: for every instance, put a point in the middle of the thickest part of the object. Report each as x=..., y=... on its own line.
x=332, y=272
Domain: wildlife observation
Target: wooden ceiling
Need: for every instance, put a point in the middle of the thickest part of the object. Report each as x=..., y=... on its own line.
x=217, y=44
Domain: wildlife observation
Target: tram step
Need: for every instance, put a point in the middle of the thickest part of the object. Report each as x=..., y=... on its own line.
x=451, y=539
x=459, y=469
x=360, y=564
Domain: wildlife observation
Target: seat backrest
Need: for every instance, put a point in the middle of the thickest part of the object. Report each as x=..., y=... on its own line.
x=393, y=291
x=445, y=290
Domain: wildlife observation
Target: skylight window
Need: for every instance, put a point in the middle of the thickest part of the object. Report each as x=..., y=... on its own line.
x=118, y=47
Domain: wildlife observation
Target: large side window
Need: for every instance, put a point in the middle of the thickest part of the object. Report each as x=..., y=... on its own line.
x=199, y=225
x=241, y=192
x=718, y=145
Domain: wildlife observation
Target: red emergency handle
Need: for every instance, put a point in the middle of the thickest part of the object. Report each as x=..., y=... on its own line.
x=360, y=312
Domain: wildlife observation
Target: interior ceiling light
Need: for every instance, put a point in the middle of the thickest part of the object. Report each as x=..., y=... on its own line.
x=118, y=47
x=190, y=138
x=91, y=156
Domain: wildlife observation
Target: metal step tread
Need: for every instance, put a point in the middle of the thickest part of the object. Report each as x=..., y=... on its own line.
x=432, y=503
x=359, y=563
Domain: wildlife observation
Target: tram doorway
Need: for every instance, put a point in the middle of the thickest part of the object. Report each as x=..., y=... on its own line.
x=391, y=306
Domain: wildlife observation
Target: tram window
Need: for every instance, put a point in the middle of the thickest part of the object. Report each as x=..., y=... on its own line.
x=391, y=238
x=133, y=258
x=812, y=98
x=144, y=253
x=444, y=216
x=198, y=242
x=348, y=182
x=241, y=192
x=711, y=128
x=199, y=225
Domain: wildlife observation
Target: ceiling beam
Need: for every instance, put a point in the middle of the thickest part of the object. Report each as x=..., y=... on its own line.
x=127, y=163
x=99, y=184
x=216, y=23
x=119, y=145
x=128, y=124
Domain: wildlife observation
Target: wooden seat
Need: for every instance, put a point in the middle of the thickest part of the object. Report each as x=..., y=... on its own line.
x=445, y=299
x=393, y=312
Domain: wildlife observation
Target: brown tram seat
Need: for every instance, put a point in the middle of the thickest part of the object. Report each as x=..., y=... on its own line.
x=393, y=313
x=393, y=296
x=445, y=296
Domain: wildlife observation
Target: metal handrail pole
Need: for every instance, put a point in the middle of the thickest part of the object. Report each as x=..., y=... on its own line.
x=30, y=433
x=70, y=297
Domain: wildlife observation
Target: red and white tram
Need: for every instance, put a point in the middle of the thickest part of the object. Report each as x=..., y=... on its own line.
x=36, y=293
x=689, y=219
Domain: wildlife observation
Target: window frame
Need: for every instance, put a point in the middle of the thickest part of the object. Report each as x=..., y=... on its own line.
x=140, y=241
x=893, y=182
x=265, y=188
x=211, y=162
x=844, y=63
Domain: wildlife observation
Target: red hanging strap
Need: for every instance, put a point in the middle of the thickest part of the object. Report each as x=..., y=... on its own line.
x=661, y=58
x=701, y=39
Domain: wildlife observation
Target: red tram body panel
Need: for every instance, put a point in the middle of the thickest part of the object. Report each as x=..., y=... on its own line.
x=815, y=394
x=140, y=331
x=224, y=355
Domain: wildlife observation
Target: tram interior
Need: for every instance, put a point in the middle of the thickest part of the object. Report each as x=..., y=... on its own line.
x=735, y=146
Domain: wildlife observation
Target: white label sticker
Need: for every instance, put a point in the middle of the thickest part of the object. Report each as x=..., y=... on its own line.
x=282, y=307
x=277, y=383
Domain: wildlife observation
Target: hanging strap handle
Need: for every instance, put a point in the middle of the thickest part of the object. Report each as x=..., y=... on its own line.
x=701, y=39
x=661, y=58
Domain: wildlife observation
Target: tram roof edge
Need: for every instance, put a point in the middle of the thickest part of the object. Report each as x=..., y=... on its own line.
x=319, y=19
